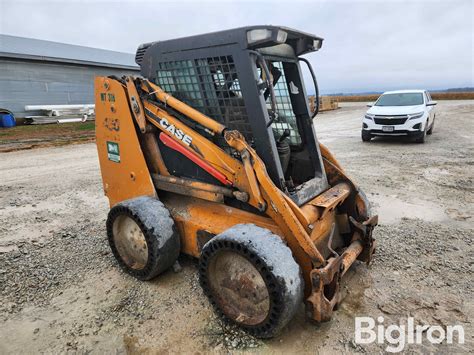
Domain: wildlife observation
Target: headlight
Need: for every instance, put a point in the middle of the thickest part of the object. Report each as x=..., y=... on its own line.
x=416, y=115
x=281, y=36
x=317, y=44
x=369, y=116
x=258, y=35
x=264, y=34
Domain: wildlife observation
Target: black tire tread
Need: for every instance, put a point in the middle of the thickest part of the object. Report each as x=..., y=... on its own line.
x=158, y=227
x=366, y=136
x=273, y=259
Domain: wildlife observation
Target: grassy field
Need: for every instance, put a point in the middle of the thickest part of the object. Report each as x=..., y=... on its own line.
x=32, y=136
x=32, y=131
x=435, y=96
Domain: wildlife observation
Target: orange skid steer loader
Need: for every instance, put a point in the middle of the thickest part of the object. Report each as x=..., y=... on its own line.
x=213, y=153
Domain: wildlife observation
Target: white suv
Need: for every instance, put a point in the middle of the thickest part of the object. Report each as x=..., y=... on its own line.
x=400, y=113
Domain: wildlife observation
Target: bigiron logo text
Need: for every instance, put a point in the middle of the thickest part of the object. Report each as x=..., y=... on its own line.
x=399, y=335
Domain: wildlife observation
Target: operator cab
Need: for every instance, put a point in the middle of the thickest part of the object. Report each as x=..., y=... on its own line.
x=248, y=79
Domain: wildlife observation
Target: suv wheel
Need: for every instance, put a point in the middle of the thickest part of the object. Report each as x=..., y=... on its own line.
x=430, y=131
x=421, y=137
x=366, y=136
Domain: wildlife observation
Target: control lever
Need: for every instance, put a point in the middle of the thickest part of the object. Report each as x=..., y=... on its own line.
x=284, y=150
x=285, y=135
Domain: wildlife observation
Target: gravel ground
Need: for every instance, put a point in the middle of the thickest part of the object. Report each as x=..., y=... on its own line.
x=62, y=291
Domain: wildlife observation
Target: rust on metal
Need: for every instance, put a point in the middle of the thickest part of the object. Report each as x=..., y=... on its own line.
x=193, y=215
x=135, y=104
x=130, y=242
x=325, y=281
x=152, y=152
x=325, y=202
x=239, y=288
x=189, y=187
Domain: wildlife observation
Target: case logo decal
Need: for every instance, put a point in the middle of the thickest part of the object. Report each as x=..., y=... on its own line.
x=176, y=132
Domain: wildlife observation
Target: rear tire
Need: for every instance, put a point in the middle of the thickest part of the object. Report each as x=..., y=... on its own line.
x=143, y=237
x=251, y=279
x=366, y=136
x=430, y=131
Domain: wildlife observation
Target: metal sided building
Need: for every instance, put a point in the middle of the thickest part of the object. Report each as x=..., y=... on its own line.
x=37, y=72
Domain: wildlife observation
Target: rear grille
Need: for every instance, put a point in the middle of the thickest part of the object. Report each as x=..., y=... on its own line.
x=390, y=120
x=140, y=53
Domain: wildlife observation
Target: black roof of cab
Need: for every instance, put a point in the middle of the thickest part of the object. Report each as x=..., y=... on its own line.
x=301, y=42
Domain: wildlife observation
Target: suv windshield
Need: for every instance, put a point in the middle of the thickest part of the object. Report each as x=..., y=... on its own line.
x=402, y=99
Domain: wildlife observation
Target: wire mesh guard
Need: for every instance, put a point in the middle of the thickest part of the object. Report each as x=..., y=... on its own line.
x=286, y=116
x=211, y=86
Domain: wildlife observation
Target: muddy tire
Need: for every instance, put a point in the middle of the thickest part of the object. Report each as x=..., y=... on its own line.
x=143, y=237
x=251, y=279
x=366, y=136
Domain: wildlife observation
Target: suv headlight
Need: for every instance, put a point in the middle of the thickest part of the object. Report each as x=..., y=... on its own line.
x=369, y=116
x=416, y=115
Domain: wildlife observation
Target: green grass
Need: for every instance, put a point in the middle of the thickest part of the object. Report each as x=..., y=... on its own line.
x=47, y=130
x=87, y=126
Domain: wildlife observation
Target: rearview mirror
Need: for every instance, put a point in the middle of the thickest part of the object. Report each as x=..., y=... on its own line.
x=370, y=104
x=431, y=103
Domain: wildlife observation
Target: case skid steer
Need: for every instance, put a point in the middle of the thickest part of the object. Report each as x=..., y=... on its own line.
x=212, y=153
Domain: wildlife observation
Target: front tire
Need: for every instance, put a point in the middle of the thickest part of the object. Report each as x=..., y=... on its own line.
x=421, y=137
x=366, y=136
x=251, y=279
x=142, y=237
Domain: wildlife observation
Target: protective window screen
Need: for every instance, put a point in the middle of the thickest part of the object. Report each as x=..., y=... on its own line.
x=210, y=85
x=286, y=117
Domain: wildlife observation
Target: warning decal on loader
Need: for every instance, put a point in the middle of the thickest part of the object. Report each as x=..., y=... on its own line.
x=113, y=152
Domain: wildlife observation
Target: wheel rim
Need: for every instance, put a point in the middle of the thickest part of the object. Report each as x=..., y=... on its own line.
x=239, y=288
x=130, y=242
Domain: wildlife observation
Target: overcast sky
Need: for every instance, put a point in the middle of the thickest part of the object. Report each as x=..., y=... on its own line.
x=369, y=45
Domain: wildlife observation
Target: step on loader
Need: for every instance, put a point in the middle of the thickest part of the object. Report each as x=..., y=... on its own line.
x=212, y=152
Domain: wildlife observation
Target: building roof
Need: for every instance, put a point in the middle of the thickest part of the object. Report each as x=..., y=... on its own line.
x=36, y=49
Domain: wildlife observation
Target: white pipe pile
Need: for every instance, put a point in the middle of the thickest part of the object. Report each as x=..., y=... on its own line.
x=67, y=113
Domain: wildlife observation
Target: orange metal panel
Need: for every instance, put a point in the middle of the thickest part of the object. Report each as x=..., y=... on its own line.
x=192, y=215
x=124, y=171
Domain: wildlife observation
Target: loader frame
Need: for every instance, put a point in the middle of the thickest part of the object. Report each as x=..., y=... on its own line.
x=133, y=114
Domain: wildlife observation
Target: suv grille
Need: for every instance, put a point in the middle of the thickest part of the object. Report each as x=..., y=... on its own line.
x=390, y=120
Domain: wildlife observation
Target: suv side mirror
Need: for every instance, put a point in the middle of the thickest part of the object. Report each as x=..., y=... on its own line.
x=370, y=104
x=431, y=103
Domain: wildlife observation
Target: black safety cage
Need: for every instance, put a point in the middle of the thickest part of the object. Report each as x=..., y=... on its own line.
x=220, y=75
